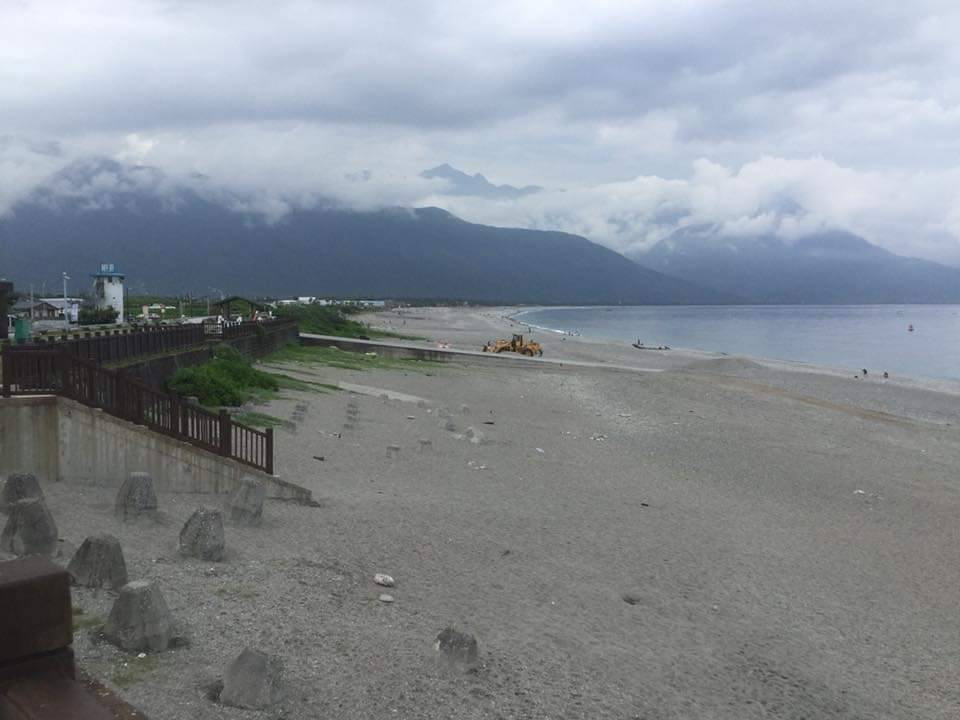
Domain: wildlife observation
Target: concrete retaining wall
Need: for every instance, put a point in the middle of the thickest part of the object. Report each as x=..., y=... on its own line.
x=59, y=439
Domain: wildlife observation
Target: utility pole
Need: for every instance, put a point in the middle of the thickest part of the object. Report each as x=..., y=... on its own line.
x=66, y=317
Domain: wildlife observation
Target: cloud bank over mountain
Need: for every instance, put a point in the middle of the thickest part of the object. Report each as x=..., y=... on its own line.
x=637, y=119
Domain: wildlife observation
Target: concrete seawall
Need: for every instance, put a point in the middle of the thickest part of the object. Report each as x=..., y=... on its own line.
x=61, y=440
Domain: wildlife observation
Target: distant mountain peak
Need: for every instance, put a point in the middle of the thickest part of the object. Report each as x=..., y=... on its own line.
x=460, y=183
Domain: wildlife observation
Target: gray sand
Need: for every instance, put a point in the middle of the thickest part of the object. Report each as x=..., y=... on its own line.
x=722, y=539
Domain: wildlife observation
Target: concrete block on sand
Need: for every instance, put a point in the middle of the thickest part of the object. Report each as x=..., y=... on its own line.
x=19, y=486
x=99, y=563
x=30, y=529
x=245, y=506
x=140, y=620
x=202, y=535
x=393, y=452
x=456, y=648
x=253, y=681
x=136, y=498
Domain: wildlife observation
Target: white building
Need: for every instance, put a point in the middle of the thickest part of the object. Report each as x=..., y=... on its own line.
x=108, y=289
x=73, y=307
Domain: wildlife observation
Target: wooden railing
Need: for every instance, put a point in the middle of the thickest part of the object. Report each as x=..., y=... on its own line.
x=51, y=370
x=113, y=346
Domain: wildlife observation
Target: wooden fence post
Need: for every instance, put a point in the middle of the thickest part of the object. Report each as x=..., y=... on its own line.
x=268, y=460
x=225, y=432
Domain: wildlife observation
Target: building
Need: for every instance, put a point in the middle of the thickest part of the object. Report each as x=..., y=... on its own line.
x=108, y=289
x=73, y=307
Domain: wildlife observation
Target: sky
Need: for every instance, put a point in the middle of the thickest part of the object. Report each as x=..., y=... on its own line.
x=639, y=118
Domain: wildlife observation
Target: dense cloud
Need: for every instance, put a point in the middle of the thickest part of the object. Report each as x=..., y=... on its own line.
x=639, y=117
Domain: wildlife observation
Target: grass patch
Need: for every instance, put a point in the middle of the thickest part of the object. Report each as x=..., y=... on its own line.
x=82, y=621
x=228, y=379
x=290, y=383
x=336, y=358
x=334, y=320
x=257, y=419
x=132, y=670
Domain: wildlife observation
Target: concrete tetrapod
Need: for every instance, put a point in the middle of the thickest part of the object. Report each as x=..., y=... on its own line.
x=253, y=681
x=30, y=529
x=99, y=563
x=245, y=506
x=19, y=486
x=136, y=497
x=202, y=535
x=140, y=620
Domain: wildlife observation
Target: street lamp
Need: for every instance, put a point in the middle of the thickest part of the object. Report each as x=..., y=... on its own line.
x=66, y=318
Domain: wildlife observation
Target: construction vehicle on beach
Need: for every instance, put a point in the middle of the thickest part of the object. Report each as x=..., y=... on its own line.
x=515, y=344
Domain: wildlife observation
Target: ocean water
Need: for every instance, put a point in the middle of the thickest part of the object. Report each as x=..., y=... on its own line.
x=846, y=336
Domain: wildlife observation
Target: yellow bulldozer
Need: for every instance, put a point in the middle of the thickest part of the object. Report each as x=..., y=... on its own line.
x=515, y=344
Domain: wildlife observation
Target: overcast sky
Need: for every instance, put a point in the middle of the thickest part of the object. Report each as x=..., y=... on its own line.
x=638, y=117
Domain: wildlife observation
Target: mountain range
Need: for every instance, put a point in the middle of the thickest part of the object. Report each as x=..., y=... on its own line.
x=174, y=239
x=459, y=183
x=824, y=268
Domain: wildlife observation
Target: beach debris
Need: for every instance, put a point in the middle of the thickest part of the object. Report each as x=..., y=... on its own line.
x=99, y=563
x=384, y=398
x=136, y=498
x=319, y=457
x=475, y=465
x=464, y=409
x=245, y=506
x=426, y=446
x=473, y=435
x=539, y=450
x=489, y=422
x=19, y=486
x=629, y=415
x=393, y=451
x=442, y=412
x=411, y=417
x=253, y=681
x=598, y=437
x=448, y=425
x=644, y=504
x=140, y=619
x=457, y=648
x=385, y=598
x=859, y=492
x=631, y=598
x=384, y=580
x=348, y=426
x=202, y=535
x=30, y=529
x=370, y=354
x=421, y=403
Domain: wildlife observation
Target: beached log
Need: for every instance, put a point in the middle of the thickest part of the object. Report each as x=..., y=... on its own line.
x=19, y=486
x=99, y=563
x=136, y=498
x=254, y=681
x=30, y=529
x=245, y=506
x=202, y=535
x=140, y=620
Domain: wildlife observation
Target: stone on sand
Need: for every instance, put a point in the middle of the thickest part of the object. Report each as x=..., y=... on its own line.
x=447, y=425
x=457, y=648
x=202, y=535
x=136, y=497
x=473, y=435
x=19, y=486
x=384, y=580
x=99, y=563
x=30, y=529
x=426, y=446
x=253, y=681
x=245, y=506
x=393, y=451
x=140, y=620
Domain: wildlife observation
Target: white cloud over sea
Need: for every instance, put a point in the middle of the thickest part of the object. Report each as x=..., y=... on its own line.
x=638, y=118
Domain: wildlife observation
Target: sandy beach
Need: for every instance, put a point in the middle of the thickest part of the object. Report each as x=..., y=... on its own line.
x=630, y=534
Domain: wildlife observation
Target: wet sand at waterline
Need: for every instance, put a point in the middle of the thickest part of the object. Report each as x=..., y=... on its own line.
x=702, y=537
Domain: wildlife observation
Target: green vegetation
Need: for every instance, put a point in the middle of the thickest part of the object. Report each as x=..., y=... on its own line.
x=334, y=357
x=333, y=320
x=97, y=316
x=81, y=621
x=228, y=379
x=257, y=419
x=133, y=669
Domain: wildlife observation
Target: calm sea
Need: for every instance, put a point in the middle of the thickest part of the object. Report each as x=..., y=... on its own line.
x=849, y=336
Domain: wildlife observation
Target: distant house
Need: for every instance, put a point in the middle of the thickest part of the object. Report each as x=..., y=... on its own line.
x=40, y=310
x=73, y=307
